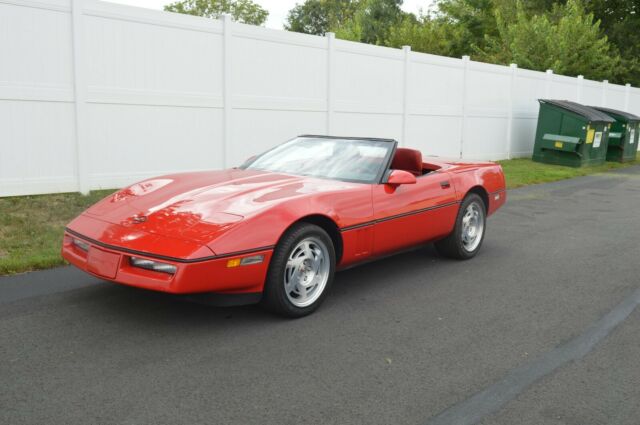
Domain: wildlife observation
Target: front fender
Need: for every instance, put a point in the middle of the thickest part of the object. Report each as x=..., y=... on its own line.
x=265, y=227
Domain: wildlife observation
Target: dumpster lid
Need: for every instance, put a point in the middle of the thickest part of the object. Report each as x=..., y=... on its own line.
x=586, y=111
x=627, y=115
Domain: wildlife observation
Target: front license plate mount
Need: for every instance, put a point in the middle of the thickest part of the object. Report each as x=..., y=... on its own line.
x=103, y=263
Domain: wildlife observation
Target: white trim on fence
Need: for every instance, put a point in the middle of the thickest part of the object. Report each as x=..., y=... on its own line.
x=605, y=86
x=512, y=80
x=579, y=88
x=627, y=95
x=227, y=88
x=405, y=94
x=464, y=116
x=331, y=48
x=80, y=96
x=547, y=89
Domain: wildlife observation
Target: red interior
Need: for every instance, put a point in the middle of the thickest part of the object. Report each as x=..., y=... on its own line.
x=408, y=160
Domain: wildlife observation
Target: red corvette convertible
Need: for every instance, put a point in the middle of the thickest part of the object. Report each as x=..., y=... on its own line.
x=275, y=229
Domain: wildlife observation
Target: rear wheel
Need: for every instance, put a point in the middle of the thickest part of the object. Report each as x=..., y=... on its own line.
x=301, y=271
x=467, y=236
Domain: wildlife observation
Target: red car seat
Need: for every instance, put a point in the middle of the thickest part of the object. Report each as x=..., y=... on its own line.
x=408, y=160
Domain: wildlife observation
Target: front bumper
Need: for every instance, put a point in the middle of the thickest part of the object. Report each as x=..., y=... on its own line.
x=191, y=277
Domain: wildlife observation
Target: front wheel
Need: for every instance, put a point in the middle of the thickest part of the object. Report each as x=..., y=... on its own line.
x=301, y=271
x=467, y=236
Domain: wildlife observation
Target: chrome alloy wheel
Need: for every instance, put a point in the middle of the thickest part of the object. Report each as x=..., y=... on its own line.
x=472, y=226
x=307, y=272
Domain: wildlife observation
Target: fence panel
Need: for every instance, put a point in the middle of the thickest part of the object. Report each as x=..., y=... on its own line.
x=36, y=98
x=368, y=90
x=279, y=88
x=435, y=96
x=154, y=94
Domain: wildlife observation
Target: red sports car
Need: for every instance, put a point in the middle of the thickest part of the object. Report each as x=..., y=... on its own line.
x=275, y=229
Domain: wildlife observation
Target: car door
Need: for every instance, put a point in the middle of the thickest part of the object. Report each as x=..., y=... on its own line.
x=413, y=214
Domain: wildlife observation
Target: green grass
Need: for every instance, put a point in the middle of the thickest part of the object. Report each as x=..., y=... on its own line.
x=31, y=226
x=523, y=172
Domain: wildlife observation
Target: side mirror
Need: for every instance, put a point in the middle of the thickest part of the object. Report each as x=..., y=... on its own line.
x=398, y=177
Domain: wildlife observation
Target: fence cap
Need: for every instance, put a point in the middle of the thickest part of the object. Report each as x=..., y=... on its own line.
x=585, y=111
x=626, y=115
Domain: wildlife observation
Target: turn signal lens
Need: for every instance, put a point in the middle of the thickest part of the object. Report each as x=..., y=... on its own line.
x=233, y=263
x=152, y=265
x=246, y=261
x=81, y=244
x=255, y=259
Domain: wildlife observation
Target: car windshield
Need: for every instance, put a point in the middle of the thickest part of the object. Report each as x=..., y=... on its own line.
x=358, y=160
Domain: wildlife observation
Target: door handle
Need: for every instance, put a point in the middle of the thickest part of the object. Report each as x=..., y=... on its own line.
x=445, y=184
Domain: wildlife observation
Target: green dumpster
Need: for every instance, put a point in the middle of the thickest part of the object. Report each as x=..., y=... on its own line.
x=571, y=134
x=623, y=137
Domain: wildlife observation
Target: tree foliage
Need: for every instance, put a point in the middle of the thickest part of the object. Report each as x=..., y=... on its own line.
x=567, y=40
x=372, y=21
x=472, y=20
x=367, y=21
x=476, y=21
x=426, y=34
x=620, y=21
x=596, y=38
x=320, y=16
x=245, y=11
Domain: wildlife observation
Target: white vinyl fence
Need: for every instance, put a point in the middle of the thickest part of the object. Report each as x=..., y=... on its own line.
x=99, y=95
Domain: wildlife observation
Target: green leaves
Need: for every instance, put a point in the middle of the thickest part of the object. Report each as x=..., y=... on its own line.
x=572, y=37
x=245, y=11
x=376, y=18
x=367, y=21
x=567, y=39
x=426, y=35
x=620, y=20
x=320, y=16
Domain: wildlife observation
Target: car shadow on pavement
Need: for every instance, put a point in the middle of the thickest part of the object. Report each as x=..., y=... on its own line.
x=142, y=306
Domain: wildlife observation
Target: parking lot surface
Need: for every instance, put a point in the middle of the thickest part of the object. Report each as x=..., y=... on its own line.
x=540, y=328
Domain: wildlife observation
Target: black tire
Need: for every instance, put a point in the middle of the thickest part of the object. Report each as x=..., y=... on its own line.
x=452, y=246
x=275, y=298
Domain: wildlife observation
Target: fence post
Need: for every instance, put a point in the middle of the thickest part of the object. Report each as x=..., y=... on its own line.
x=80, y=98
x=547, y=88
x=463, y=120
x=513, y=68
x=605, y=87
x=627, y=96
x=331, y=46
x=580, y=83
x=227, y=91
x=405, y=94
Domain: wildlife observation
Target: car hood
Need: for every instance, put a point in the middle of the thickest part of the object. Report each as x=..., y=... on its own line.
x=199, y=206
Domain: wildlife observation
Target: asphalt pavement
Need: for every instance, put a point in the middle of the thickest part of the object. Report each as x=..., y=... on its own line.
x=540, y=328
